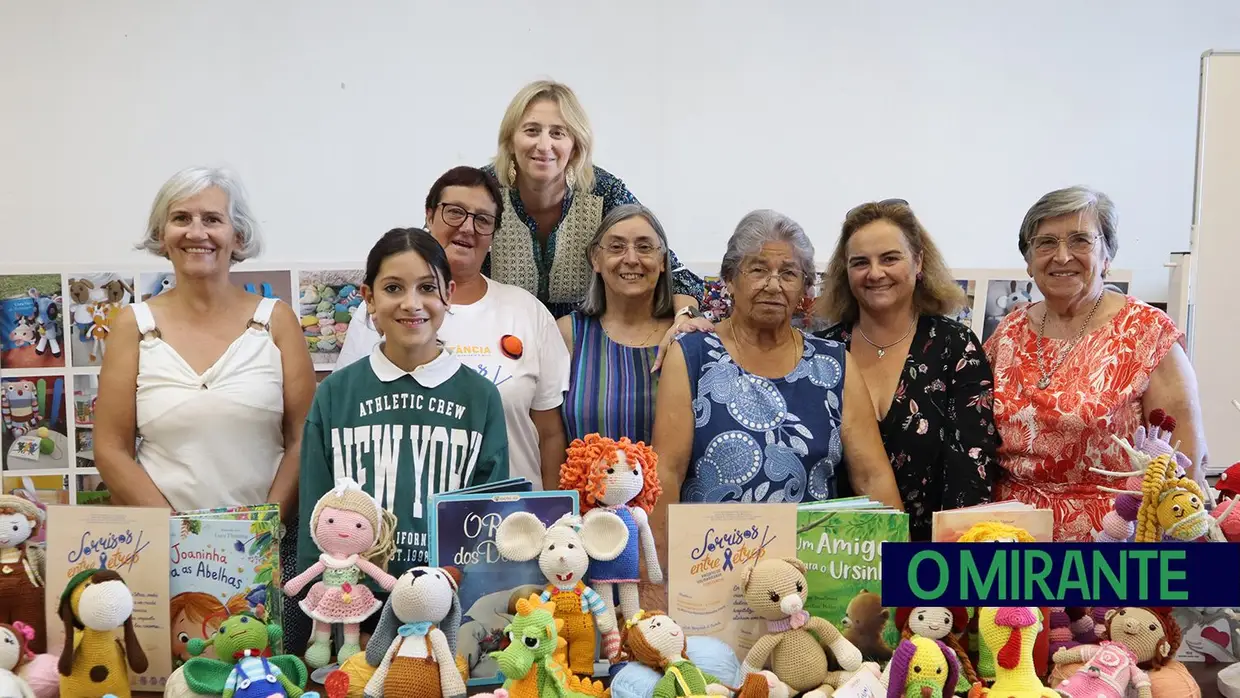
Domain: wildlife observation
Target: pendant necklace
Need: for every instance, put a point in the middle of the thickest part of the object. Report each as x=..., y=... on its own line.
x=1045, y=381
x=882, y=348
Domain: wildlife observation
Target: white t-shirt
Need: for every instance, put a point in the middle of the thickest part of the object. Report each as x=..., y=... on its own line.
x=535, y=381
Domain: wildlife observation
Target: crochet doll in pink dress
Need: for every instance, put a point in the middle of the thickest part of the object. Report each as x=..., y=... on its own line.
x=355, y=536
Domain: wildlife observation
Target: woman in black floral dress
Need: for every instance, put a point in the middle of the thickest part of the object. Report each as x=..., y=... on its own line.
x=887, y=287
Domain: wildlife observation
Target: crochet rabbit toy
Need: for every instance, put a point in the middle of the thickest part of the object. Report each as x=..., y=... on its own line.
x=13, y=653
x=942, y=625
x=921, y=668
x=659, y=642
x=796, y=645
x=1110, y=670
x=620, y=476
x=414, y=644
x=94, y=663
x=564, y=552
x=354, y=535
x=1009, y=634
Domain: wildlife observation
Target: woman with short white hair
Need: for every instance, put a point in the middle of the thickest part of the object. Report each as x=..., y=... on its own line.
x=213, y=381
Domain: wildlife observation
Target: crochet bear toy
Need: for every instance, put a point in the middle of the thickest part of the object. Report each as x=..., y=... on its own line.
x=775, y=588
x=414, y=644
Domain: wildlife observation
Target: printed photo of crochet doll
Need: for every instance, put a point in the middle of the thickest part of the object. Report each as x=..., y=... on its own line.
x=32, y=412
x=153, y=284
x=32, y=326
x=326, y=301
x=268, y=284
x=95, y=300
x=965, y=315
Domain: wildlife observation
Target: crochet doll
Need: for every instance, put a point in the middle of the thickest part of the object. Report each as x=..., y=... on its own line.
x=1110, y=670
x=921, y=668
x=245, y=667
x=21, y=568
x=657, y=641
x=943, y=625
x=354, y=535
x=93, y=662
x=1171, y=507
x=13, y=653
x=414, y=645
x=797, y=645
x=1153, y=637
x=1119, y=524
x=620, y=476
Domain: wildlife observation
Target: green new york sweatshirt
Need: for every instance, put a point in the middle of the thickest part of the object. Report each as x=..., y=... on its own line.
x=402, y=437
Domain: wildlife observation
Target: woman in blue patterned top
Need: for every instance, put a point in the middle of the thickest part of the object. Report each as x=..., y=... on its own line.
x=756, y=410
x=555, y=198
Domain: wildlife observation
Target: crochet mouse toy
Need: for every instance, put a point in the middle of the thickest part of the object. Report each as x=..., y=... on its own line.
x=414, y=644
x=564, y=552
x=797, y=644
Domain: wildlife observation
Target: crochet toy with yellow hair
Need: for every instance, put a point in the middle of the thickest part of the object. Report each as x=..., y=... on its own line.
x=995, y=532
x=623, y=477
x=1009, y=634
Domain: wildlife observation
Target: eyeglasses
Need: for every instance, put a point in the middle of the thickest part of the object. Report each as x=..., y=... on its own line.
x=616, y=248
x=484, y=223
x=761, y=276
x=884, y=202
x=1078, y=243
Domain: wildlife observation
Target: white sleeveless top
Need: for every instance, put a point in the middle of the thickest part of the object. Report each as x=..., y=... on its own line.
x=215, y=439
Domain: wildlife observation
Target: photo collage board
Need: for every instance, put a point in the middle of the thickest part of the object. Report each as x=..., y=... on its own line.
x=54, y=326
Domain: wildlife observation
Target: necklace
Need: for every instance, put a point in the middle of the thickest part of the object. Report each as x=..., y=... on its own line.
x=643, y=343
x=882, y=348
x=737, y=340
x=1045, y=381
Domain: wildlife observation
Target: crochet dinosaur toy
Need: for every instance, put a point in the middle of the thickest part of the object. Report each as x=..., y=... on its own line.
x=921, y=668
x=94, y=663
x=535, y=664
x=1009, y=634
x=244, y=669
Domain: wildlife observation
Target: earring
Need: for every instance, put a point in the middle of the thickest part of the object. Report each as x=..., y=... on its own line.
x=512, y=171
x=919, y=276
x=570, y=178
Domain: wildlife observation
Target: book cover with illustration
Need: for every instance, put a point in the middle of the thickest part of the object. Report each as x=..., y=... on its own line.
x=712, y=545
x=842, y=549
x=948, y=526
x=462, y=534
x=223, y=562
x=131, y=541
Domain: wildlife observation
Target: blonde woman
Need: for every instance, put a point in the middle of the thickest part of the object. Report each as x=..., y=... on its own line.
x=888, y=290
x=554, y=200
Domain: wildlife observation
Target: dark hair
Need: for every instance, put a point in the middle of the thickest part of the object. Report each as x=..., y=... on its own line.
x=466, y=176
x=398, y=240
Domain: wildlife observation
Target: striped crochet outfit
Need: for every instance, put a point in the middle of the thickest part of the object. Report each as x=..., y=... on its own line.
x=577, y=607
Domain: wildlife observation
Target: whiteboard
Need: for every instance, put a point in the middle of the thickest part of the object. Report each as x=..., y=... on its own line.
x=1214, y=328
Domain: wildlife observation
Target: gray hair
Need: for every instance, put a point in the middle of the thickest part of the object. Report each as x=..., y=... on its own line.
x=595, y=303
x=190, y=182
x=760, y=227
x=1076, y=200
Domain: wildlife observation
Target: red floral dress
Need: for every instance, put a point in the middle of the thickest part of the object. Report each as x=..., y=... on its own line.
x=1051, y=438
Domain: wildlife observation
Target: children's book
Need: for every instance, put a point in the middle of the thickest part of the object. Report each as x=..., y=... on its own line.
x=462, y=535
x=711, y=547
x=223, y=562
x=1210, y=634
x=948, y=526
x=130, y=541
x=512, y=484
x=842, y=547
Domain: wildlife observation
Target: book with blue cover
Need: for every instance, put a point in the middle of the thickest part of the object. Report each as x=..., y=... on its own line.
x=462, y=534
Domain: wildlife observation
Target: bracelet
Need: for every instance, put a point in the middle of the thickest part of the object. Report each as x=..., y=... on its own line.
x=689, y=311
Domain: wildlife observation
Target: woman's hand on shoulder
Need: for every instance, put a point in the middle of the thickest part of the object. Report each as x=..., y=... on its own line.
x=683, y=324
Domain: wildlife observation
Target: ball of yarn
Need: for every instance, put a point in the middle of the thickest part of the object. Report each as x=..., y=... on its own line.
x=1127, y=506
x=42, y=675
x=1117, y=528
x=359, y=672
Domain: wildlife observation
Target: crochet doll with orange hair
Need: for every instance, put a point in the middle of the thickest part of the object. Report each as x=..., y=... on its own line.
x=620, y=476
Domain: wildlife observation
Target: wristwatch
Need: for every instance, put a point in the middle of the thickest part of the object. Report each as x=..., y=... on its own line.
x=689, y=312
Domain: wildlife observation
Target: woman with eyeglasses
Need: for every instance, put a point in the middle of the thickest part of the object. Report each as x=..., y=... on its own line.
x=1082, y=366
x=501, y=331
x=554, y=200
x=888, y=291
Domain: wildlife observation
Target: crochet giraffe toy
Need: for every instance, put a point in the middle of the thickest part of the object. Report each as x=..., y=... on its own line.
x=1009, y=633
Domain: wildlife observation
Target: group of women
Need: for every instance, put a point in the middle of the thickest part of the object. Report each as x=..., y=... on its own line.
x=541, y=274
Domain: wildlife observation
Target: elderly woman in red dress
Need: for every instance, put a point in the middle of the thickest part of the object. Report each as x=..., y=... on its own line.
x=1081, y=366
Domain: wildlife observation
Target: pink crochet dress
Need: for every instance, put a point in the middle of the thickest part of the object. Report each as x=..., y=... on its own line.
x=1109, y=670
x=338, y=597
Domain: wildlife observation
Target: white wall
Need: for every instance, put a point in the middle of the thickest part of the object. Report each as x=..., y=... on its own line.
x=339, y=115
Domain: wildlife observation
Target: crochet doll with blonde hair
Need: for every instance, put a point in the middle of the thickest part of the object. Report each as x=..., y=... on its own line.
x=354, y=535
x=620, y=476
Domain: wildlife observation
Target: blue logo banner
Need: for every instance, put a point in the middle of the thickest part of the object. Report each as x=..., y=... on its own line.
x=1061, y=574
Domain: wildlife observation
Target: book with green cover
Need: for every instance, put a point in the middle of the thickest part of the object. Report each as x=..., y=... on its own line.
x=841, y=547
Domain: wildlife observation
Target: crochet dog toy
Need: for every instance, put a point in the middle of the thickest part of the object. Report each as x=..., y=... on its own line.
x=414, y=644
x=943, y=625
x=22, y=566
x=1110, y=670
x=564, y=552
x=620, y=476
x=94, y=663
x=534, y=664
x=13, y=653
x=354, y=535
x=1009, y=633
x=244, y=669
x=796, y=645
x=921, y=668
x=657, y=641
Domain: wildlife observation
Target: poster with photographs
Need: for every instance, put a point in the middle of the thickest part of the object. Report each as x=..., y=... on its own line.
x=32, y=326
x=85, y=393
x=36, y=436
x=1005, y=295
x=268, y=284
x=154, y=283
x=326, y=301
x=95, y=301
x=965, y=315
